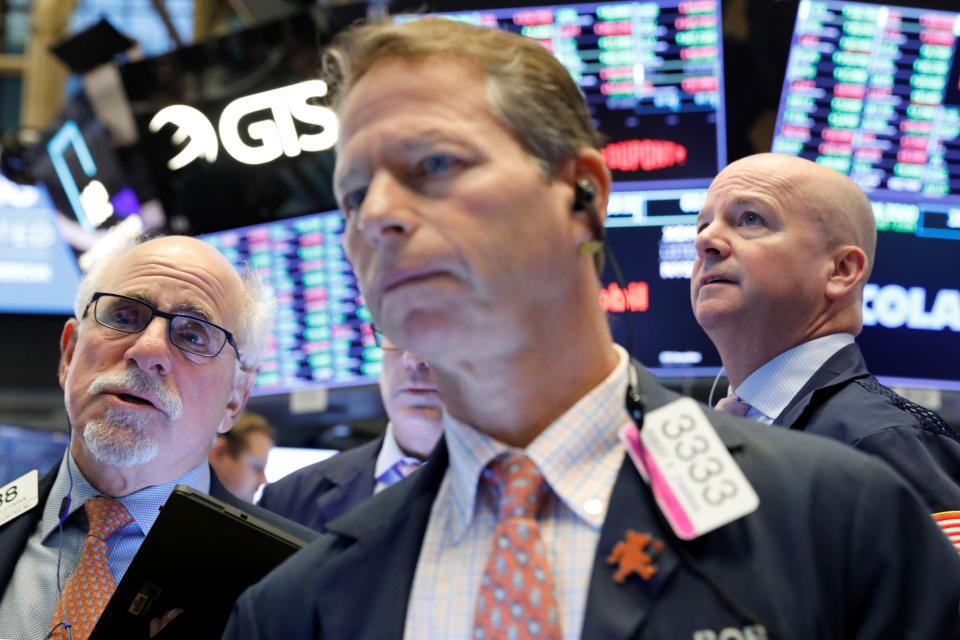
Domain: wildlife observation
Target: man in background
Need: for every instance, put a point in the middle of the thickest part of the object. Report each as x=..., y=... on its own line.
x=239, y=456
x=158, y=359
x=784, y=248
x=325, y=490
x=474, y=193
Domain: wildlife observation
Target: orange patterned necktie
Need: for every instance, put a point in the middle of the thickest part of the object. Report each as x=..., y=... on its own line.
x=516, y=598
x=91, y=585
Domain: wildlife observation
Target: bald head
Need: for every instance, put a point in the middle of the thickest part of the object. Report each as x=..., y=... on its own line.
x=833, y=202
x=784, y=248
x=187, y=250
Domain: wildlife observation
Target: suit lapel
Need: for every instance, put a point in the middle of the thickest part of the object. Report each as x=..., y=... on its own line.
x=616, y=610
x=842, y=366
x=382, y=539
x=354, y=483
x=619, y=610
x=14, y=534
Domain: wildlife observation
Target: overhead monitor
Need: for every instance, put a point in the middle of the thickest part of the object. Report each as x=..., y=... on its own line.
x=873, y=91
x=651, y=73
x=38, y=271
x=322, y=335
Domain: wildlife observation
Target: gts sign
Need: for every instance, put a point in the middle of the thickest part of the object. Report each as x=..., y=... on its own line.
x=275, y=134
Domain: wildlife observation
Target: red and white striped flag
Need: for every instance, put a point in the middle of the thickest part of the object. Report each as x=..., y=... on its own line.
x=949, y=521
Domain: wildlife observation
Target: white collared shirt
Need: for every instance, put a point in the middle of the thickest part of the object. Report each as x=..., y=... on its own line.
x=390, y=454
x=579, y=455
x=769, y=389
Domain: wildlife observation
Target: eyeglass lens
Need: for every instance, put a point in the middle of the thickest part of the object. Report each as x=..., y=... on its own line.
x=190, y=334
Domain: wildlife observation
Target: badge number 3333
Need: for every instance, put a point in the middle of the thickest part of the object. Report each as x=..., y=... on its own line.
x=696, y=482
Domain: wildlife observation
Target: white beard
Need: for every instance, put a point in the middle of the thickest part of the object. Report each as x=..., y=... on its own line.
x=121, y=439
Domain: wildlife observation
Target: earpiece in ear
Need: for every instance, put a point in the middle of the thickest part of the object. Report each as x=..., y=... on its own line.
x=583, y=200
x=584, y=194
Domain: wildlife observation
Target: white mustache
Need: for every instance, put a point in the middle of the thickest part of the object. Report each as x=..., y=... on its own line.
x=134, y=379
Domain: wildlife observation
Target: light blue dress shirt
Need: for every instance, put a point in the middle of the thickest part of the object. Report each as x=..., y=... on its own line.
x=769, y=389
x=27, y=607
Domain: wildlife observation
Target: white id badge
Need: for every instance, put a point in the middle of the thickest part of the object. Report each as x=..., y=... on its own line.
x=19, y=496
x=695, y=480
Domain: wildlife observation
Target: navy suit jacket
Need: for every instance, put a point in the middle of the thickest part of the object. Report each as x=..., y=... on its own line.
x=840, y=547
x=844, y=402
x=323, y=491
x=14, y=534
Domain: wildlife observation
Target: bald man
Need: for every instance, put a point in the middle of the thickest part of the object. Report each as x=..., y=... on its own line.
x=784, y=248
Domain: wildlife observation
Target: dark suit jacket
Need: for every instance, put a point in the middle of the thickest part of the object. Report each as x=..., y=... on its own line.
x=14, y=534
x=321, y=492
x=844, y=402
x=840, y=548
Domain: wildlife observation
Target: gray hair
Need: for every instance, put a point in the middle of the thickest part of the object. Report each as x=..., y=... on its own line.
x=256, y=305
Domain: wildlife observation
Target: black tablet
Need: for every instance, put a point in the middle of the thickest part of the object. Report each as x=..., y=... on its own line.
x=199, y=556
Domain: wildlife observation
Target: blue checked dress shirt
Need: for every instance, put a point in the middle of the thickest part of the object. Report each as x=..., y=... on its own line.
x=27, y=606
x=769, y=389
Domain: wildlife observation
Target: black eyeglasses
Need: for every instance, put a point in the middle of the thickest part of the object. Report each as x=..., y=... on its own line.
x=188, y=333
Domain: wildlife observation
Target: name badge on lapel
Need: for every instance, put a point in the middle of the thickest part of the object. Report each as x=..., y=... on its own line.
x=19, y=496
x=695, y=481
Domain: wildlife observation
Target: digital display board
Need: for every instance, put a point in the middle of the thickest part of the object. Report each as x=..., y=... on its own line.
x=651, y=74
x=656, y=260
x=873, y=91
x=322, y=334
x=38, y=271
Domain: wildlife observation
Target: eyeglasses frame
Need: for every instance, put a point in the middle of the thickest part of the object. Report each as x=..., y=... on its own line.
x=169, y=318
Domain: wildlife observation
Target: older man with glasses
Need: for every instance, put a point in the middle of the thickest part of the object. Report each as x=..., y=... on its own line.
x=148, y=384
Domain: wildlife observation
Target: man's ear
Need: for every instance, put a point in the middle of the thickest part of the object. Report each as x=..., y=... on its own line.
x=590, y=167
x=68, y=343
x=239, y=393
x=849, y=267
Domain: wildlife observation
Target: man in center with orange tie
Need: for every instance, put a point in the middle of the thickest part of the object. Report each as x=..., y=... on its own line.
x=474, y=192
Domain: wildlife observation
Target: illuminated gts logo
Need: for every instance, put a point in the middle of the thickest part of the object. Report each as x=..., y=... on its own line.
x=277, y=134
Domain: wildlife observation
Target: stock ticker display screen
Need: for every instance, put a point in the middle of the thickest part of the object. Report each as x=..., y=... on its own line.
x=322, y=334
x=873, y=91
x=651, y=73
